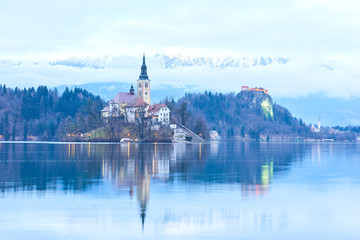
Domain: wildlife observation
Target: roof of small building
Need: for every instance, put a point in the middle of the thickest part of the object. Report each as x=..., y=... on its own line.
x=137, y=102
x=123, y=97
x=156, y=108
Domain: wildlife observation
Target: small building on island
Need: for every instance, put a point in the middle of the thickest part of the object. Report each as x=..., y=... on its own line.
x=136, y=108
x=159, y=113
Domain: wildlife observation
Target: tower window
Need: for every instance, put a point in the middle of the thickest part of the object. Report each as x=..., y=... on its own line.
x=139, y=85
x=146, y=84
x=145, y=93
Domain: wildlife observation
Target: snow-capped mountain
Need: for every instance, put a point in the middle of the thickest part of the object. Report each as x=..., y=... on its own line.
x=225, y=62
x=164, y=61
x=10, y=62
x=83, y=62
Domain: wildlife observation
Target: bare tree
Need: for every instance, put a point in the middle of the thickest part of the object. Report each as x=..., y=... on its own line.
x=200, y=127
x=140, y=113
x=170, y=103
x=113, y=127
x=184, y=115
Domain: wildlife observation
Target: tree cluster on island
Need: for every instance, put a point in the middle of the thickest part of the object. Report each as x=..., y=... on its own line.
x=43, y=114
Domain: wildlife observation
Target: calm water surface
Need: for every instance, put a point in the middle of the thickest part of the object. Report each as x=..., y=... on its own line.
x=180, y=191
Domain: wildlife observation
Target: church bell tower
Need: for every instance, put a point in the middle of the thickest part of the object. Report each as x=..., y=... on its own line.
x=143, y=84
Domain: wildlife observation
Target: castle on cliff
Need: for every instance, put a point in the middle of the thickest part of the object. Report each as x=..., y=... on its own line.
x=246, y=88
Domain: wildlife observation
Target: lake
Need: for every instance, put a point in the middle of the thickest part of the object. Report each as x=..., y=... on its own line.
x=225, y=190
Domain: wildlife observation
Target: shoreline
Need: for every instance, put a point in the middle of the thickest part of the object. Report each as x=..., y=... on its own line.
x=206, y=142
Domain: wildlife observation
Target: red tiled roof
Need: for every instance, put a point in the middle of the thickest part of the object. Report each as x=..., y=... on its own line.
x=137, y=102
x=156, y=107
x=124, y=98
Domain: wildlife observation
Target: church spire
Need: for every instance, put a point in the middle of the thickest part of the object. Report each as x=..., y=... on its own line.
x=143, y=84
x=143, y=74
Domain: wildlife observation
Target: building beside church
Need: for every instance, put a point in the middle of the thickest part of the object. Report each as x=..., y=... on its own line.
x=159, y=113
x=128, y=104
x=135, y=108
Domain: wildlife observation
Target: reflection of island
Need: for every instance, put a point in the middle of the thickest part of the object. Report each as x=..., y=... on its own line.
x=134, y=167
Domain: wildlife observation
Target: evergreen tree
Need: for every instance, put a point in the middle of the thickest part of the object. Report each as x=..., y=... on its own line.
x=14, y=131
x=41, y=111
x=6, y=131
x=25, y=131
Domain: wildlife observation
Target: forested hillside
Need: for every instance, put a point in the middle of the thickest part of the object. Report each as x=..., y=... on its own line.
x=248, y=113
x=44, y=113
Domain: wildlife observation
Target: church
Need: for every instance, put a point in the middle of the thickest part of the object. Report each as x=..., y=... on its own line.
x=143, y=84
x=128, y=103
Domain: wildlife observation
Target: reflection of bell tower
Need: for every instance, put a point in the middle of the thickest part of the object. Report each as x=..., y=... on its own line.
x=143, y=191
x=143, y=84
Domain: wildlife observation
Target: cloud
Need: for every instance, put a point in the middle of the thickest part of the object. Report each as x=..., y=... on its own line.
x=313, y=34
x=117, y=27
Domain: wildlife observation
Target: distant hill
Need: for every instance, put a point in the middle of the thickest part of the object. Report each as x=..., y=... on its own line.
x=251, y=115
x=246, y=114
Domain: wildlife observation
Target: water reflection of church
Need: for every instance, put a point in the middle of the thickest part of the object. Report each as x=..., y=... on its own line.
x=135, y=169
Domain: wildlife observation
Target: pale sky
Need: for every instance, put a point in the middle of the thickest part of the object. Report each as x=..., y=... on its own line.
x=310, y=33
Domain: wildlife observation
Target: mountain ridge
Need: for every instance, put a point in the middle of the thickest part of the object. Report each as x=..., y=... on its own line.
x=164, y=61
